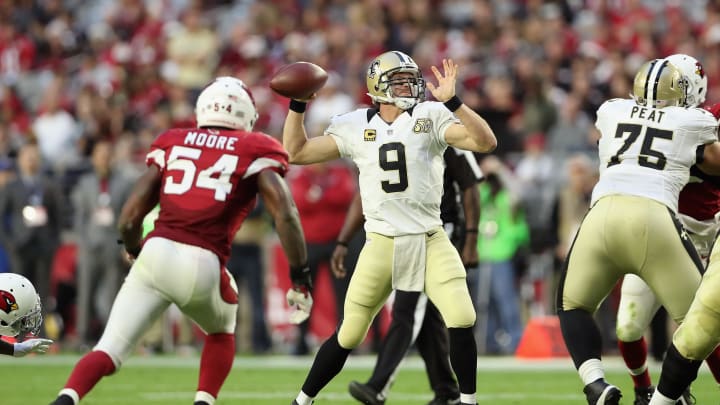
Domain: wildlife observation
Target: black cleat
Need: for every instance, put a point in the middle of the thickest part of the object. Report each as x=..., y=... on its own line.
x=599, y=392
x=444, y=401
x=365, y=393
x=63, y=400
x=643, y=394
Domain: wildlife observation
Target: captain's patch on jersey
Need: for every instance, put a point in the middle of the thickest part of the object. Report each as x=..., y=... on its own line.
x=370, y=135
x=422, y=126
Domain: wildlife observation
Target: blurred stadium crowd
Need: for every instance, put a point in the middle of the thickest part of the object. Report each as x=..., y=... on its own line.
x=78, y=76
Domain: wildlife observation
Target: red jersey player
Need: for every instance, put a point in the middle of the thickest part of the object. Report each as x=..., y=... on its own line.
x=699, y=207
x=206, y=180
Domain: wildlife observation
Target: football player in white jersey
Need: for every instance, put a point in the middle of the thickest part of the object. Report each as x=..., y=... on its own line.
x=698, y=206
x=20, y=314
x=697, y=338
x=647, y=146
x=398, y=147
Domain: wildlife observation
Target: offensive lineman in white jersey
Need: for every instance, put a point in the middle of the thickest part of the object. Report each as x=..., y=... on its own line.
x=697, y=211
x=646, y=149
x=398, y=147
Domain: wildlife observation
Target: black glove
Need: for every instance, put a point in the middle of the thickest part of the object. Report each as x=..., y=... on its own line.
x=300, y=277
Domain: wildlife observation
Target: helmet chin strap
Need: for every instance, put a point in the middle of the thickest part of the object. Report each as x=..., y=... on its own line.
x=405, y=103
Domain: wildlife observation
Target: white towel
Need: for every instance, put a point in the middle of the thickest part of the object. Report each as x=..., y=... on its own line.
x=408, y=273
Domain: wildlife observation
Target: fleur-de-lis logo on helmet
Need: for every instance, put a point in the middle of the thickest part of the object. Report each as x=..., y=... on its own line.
x=372, y=70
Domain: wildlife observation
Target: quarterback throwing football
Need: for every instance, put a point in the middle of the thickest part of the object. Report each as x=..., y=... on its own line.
x=398, y=147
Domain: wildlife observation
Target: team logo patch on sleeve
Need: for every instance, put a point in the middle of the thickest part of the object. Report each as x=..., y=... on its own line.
x=370, y=135
x=8, y=303
x=422, y=126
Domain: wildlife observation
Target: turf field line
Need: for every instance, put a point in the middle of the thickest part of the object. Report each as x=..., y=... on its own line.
x=331, y=395
x=358, y=362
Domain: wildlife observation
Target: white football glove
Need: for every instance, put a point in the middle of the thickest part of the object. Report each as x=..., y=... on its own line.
x=302, y=301
x=31, y=346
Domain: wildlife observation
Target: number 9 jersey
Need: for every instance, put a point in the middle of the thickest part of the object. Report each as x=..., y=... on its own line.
x=648, y=152
x=401, y=165
x=209, y=184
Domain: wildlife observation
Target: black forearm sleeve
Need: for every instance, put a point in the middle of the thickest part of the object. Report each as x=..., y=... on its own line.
x=7, y=348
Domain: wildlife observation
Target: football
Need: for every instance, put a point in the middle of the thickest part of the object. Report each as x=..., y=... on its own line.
x=298, y=80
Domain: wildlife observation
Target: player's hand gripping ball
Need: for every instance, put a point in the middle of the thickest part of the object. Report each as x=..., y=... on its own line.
x=299, y=80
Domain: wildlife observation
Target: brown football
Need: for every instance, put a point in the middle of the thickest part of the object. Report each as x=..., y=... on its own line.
x=298, y=80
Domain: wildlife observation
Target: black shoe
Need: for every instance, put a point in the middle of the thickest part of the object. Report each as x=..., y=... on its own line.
x=63, y=400
x=444, y=401
x=365, y=394
x=643, y=395
x=200, y=403
x=599, y=392
x=686, y=398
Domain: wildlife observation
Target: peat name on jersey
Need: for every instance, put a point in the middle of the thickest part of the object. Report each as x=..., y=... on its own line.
x=646, y=113
x=210, y=140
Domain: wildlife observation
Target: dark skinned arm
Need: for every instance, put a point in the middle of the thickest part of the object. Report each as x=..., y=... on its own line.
x=353, y=221
x=711, y=159
x=143, y=198
x=281, y=206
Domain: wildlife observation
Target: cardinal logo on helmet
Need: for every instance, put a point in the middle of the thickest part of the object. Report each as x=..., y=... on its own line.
x=699, y=69
x=8, y=303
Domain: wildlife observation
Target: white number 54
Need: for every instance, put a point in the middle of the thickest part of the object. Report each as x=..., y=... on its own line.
x=215, y=177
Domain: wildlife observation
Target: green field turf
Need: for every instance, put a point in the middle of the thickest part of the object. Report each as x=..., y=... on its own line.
x=276, y=379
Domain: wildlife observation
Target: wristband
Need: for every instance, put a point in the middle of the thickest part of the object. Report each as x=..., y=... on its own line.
x=300, y=276
x=133, y=252
x=297, y=106
x=453, y=104
x=341, y=243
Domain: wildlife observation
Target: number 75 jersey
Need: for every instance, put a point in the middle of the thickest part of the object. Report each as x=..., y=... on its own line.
x=209, y=183
x=648, y=152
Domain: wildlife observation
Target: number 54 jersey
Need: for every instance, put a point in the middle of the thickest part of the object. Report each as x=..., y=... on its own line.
x=209, y=183
x=401, y=165
x=648, y=152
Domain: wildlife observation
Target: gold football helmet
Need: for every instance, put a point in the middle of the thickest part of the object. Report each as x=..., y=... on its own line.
x=659, y=84
x=380, y=82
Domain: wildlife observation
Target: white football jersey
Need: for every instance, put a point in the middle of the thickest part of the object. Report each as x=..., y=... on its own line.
x=401, y=165
x=648, y=152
